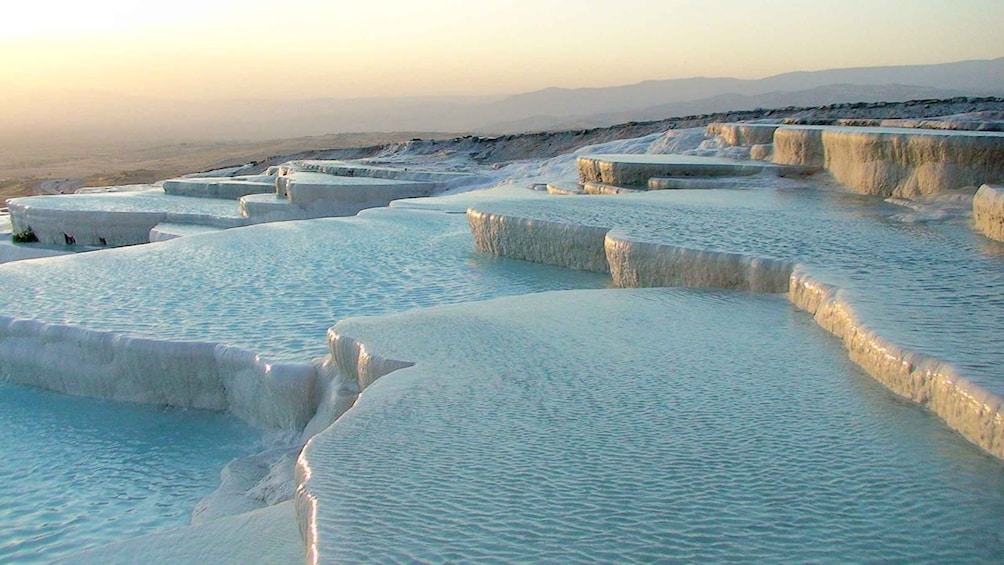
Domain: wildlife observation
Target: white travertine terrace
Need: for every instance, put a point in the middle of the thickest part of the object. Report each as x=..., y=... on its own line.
x=541, y=241
x=310, y=396
x=762, y=151
x=601, y=188
x=293, y=191
x=445, y=179
x=962, y=122
x=301, y=194
x=309, y=188
x=744, y=134
x=636, y=264
x=881, y=157
x=635, y=170
x=348, y=370
x=895, y=162
x=230, y=188
x=638, y=258
x=565, y=188
x=269, y=206
x=115, y=219
x=799, y=146
x=682, y=183
x=766, y=178
x=504, y=437
x=142, y=328
x=168, y=231
x=988, y=211
x=632, y=264
x=83, y=362
x=965, y=406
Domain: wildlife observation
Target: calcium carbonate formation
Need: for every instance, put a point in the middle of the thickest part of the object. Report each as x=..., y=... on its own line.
x=967, y=407
x=988, y=211
x=623, y=213
x=590, y=423
x=588, y=235
x=894, y=161
x=294, y=191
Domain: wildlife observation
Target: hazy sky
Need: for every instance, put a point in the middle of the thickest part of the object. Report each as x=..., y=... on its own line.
x=312, y=48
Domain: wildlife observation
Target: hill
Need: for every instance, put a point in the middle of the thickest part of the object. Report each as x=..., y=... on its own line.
x=95, y=116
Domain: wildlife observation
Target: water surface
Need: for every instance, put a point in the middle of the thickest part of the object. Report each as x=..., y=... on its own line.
x=81, y=472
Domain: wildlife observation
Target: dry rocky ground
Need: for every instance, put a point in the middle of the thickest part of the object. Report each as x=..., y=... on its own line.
x=26, y=170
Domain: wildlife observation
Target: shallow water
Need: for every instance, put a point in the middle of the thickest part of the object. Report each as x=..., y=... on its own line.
x=150, y=200
x=561, y=428
x=932, y=286
x=273, y=289
x=788, y=453
x=79, y=472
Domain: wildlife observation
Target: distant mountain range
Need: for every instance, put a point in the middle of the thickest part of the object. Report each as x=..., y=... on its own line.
x=103, y=114
x=656, y=99
x=819, y=96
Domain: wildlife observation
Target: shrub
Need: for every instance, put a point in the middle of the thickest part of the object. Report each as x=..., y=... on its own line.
x=26, y=236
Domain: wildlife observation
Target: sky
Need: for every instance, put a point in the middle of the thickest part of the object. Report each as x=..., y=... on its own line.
x=219, y=49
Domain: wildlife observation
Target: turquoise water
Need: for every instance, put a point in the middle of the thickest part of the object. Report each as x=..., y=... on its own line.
x=80, y=472
x=654, y=426
x=925, y=281
x=153, y=200
x=565, y=428
x=276, y=288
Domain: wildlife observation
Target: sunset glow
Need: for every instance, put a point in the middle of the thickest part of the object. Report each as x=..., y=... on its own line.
x=207, y=49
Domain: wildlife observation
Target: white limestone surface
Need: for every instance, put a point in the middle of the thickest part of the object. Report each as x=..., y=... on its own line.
x=895, y=161
x=634, y=170
x=306, y=195
x=561, y=169
x=762, y=152
x=570, y=244
x=684, y=183
x=768, y=178
x=601, y=188
x=115, y=219
x=250, y=483
x=444, y=179
x=565, y=188
x=230, y=188
x=270, y=207
x=744, y=134
x=308, y=188
x=799, y=146
x=988, y=211
x=233, y=320
x=637, y=264
x=928, y=287
x=168, y=230
x=560, y=427
x=967, y=122
x=967, y=407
